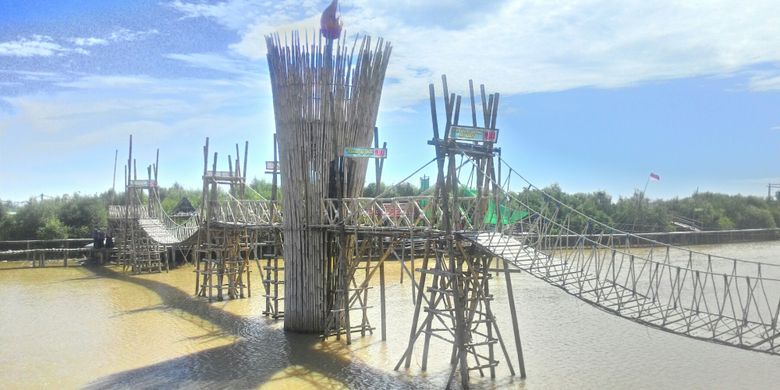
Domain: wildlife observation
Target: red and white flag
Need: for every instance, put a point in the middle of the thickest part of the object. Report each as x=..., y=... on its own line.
x=654, y=177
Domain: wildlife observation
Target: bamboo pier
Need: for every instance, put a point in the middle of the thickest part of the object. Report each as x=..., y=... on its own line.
x=324, y=243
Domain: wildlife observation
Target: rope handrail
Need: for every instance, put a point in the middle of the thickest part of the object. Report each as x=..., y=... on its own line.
x=257, y=193
x=621, y=232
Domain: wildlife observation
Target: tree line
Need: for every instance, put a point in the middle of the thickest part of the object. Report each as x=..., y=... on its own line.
x=76, y=215
x=705, y=210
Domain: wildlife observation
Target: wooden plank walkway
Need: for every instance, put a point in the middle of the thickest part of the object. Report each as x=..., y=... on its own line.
x=727, y=309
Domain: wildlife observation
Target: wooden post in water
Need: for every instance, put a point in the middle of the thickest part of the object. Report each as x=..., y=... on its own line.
x=379, y=164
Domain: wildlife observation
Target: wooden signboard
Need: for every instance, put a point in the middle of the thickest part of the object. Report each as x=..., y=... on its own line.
x=468, y=133
x=365, y=152
x=143, y=183
x=271, y=166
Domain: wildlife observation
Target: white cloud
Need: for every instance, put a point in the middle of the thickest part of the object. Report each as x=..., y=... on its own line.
x=239, y=15
x=95, y=114
x=27, y=75
x=91, y=41
x=218, y=62
x=765, y=82
x=120, y=35
x=35, y=46
x=117, y=82
x=46, y=46
x=125, y=35
x=530, y=46
x=103, y=107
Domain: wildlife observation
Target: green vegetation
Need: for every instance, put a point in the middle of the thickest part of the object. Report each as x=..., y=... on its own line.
x=67, y=216
x=75, y=216
x=706, y=211
x=403, y=189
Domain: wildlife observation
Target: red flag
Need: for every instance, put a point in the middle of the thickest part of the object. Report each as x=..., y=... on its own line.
x=330, y=23
x=655, y=177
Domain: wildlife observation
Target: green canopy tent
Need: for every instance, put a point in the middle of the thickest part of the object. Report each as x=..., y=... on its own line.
x=508, y=215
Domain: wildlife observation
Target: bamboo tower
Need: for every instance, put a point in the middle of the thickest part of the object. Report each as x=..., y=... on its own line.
x=326, y=97
x=222, y=265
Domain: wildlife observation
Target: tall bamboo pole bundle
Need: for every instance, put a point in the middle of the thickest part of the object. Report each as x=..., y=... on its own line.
x=326, y=97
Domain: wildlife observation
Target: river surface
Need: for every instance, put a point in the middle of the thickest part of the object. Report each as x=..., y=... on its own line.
x=99, y=328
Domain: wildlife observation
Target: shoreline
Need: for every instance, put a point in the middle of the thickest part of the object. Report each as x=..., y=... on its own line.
x=711, y=237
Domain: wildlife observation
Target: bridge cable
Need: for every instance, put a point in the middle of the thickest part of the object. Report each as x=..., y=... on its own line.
x=608, y=228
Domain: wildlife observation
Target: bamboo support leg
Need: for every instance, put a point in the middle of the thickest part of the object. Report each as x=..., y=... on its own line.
x=382, y=299
x=513, y=312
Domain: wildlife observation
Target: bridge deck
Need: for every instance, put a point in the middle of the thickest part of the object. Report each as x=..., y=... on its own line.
x=683, y=301
x=737, y=307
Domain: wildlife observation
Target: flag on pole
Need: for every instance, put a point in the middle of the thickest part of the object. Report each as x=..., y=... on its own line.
x=654, y=177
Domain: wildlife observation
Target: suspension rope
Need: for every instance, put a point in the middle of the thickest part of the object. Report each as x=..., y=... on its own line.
x=257, y=193
x=621, y=232
x=594, y=221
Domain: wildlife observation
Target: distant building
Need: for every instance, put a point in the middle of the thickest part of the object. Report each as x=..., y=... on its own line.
x=183, y=209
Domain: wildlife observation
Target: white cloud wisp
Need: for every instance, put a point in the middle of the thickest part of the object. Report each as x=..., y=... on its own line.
x=531, y=46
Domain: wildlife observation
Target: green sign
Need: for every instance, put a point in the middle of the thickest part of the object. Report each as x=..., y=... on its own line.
x=365, y=152
x=468, y=133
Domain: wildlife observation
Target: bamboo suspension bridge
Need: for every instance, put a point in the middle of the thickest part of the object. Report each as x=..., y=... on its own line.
x=334, y=242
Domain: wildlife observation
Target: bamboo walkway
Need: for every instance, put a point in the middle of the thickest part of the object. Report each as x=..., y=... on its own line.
x=703, y=296
x=699, y=295
x=465, y=237
x=685, y=299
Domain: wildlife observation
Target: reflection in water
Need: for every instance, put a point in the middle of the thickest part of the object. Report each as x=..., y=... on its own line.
x=99, y=328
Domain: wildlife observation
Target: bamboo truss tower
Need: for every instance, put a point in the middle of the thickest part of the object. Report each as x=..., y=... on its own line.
x=326, y=96
x=453, y=302
x=136, y=251
x=223, y=254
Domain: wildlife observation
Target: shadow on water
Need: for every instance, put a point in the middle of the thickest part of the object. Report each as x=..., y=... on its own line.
x=20, y=267
x=261, y=354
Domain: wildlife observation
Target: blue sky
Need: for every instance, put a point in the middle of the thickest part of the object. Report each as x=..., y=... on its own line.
x=595, y=94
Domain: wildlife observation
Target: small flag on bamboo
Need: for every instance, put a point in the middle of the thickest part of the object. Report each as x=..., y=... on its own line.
x=654, y=177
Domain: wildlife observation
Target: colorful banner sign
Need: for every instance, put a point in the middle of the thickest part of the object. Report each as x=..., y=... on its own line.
x=365, y=152
x=468, y=133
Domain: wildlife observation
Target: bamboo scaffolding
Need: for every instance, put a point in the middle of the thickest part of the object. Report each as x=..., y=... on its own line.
x=225, y=248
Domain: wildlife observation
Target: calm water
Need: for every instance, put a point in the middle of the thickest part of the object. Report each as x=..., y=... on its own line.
x=99, y=328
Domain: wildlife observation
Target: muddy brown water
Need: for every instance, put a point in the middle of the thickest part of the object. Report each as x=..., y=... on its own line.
x=98, y=328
